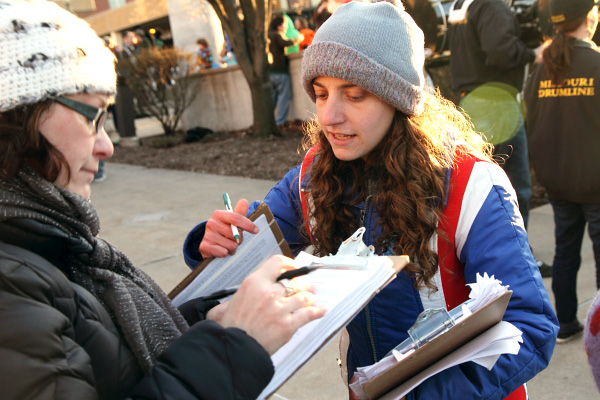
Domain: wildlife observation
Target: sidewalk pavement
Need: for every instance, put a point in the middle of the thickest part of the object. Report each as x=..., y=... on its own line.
x=147, y=213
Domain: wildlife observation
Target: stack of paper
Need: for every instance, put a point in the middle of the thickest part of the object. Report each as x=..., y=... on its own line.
x=397, y=374
x=485, y=290
x=503, y=338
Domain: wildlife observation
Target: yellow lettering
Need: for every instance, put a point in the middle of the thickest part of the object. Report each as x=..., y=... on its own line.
x=566, y=92
x=545, y=84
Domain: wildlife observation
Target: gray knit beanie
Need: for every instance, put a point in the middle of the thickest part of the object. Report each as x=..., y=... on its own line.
x=45, y=51
x=376, y=46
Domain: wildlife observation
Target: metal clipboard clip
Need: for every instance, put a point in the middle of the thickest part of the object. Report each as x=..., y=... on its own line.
x=352, y=254
x=430, y=324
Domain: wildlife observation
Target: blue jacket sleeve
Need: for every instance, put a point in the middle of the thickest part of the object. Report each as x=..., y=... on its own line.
x=497, y=243
x=283, y=200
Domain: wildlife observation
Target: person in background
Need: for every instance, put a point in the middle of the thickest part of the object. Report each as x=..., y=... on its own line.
x=407, y=166
x=291, y=33
x=143, y=40
x=484, y=48
x=156, y=37
x=301, y=25
x=227, y=55
x=563, y=128
x=204, y=58
x=279, y=68
x=321, y=14
x=79, y=320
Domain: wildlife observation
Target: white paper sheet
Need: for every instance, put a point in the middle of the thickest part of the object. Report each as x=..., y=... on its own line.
x=343, y=293
x=220, y=273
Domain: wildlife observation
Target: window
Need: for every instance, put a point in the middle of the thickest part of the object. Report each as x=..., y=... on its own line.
x=116, y=3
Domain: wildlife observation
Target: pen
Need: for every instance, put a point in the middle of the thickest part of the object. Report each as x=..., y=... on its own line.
x=234, y=229
x=292, y=273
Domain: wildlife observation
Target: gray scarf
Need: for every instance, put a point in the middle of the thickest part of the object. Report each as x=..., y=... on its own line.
x=142, y=311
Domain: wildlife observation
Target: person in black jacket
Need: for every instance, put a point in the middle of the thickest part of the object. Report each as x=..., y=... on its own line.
x=563, y=130
x=485, y=49
x=78, y=319
x=279, y=68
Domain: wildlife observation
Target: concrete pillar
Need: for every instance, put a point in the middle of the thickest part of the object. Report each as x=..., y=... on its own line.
x=194, y=19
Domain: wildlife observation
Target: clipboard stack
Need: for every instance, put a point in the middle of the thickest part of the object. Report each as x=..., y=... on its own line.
x=342, y=291
x=474, y=337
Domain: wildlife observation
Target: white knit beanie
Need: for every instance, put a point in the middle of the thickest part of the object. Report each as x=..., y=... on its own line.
x=45, y=52
x=376, y=46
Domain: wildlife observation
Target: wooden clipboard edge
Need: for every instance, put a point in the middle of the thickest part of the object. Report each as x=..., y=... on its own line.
x=473, y=326
x=262, y=209
x=399, y=262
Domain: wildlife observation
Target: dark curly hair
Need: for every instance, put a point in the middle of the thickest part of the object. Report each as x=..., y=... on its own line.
x=405, y=175
x=23, y=144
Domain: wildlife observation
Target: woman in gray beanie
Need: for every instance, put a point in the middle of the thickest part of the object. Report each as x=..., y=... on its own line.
x=78, y=319
x=408, y=167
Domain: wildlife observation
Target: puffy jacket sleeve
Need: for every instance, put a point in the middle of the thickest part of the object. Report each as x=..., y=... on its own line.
x=208, y=362
x=58, y=342
x=283, y=200
x=40, y=352
x=499, y=37
x=491, y=238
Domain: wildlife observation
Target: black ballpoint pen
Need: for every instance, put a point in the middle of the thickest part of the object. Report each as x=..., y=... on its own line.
x=292, y=273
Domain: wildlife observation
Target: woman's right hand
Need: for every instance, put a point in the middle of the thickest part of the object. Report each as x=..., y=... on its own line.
x=260, y=306
x=218, y=239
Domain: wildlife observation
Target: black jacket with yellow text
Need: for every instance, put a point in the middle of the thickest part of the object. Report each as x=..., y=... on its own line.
x=563, y=127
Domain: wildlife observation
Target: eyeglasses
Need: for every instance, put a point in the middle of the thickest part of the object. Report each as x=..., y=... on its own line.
x=94, y=114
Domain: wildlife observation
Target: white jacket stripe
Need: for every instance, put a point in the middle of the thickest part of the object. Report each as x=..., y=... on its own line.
x=484, y=176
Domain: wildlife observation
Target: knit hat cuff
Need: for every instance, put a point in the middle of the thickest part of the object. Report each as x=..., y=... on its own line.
x=342, y=62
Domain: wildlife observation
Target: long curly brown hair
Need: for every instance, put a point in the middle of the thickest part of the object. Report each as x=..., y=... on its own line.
x=406, y=176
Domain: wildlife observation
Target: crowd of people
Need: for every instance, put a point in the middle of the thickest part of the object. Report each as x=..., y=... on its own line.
x=383, y=153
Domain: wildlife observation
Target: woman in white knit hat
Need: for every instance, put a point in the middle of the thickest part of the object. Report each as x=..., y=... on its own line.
x=79, y=320
x=408, y=167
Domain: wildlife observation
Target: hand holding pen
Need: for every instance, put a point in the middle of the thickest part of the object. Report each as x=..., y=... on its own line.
x=234, y=229
x=283, y=279
x=219, y=239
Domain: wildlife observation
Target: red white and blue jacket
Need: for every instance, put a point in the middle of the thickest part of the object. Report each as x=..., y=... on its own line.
x=489, y=237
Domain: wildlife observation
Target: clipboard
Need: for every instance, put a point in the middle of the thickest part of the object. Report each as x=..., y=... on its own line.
x=441, y=346
x=275, y=231
x=312, y=337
